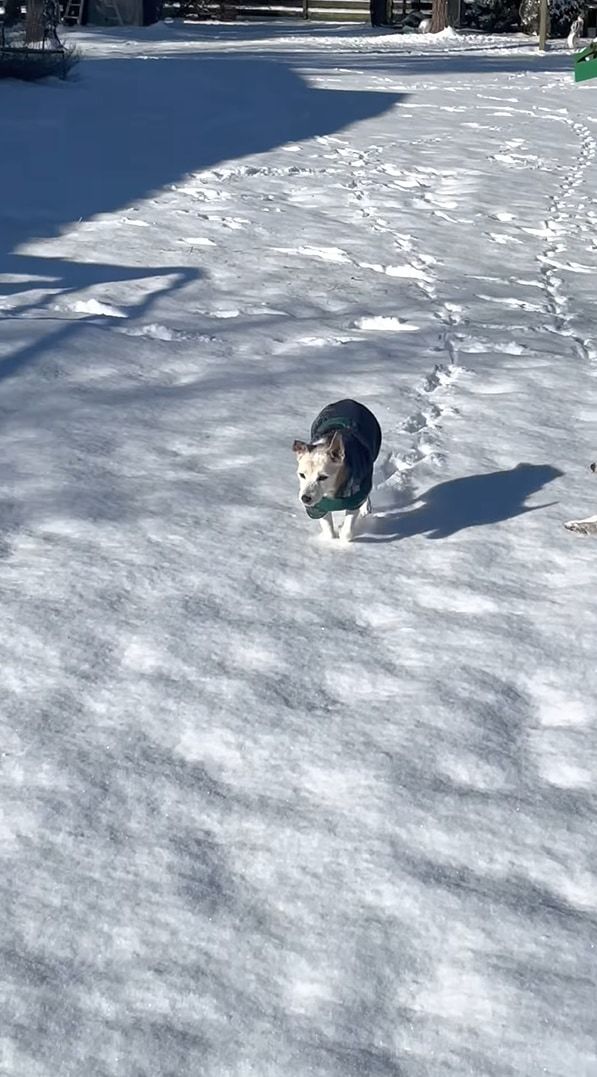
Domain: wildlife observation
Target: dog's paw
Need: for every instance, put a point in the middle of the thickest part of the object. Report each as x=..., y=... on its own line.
x=348, y=531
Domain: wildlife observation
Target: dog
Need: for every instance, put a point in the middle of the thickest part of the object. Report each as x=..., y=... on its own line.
x=335, y=468
x=588, y=526
x=576, y=31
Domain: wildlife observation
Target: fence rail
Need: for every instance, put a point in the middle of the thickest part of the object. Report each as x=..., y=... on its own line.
x=317, y=10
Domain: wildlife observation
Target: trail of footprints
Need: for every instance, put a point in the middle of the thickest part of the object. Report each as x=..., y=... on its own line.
x=424, y=423
x=562, y=208
x=568, y=217
x=557, y=224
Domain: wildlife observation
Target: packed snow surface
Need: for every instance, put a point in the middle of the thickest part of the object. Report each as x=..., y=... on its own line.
x=274, y=806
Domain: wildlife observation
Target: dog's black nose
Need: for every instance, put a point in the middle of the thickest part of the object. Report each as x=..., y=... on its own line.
x=306, y=499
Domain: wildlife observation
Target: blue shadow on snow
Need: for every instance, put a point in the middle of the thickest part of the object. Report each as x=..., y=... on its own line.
x=124, y=130
x=472, y=501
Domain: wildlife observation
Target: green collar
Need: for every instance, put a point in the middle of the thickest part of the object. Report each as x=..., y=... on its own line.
x=339, y=504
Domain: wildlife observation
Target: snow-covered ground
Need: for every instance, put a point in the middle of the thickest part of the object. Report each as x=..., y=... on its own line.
x=273, y=807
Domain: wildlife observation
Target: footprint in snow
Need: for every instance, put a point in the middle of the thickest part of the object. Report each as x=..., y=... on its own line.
x=384, y=324
x=407, y=272
x=440, y=376
x=324, y=254
x=450, y=314
x=514, y=304
x=235, y=224
x=197, y=241
x=501, y=238
x=92, y=306
x=135, y=222
x=155, y=331
x=477, y=346
x=421, y=419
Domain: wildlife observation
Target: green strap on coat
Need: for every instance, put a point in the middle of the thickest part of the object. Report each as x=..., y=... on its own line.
x=339, y=504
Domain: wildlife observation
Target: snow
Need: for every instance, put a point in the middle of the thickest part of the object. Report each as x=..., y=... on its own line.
x=270, y=805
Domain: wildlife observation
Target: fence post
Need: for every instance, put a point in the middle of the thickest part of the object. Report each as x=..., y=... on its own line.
x=542, y=24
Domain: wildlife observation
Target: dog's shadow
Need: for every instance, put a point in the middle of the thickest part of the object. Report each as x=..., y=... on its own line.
x=473, y=501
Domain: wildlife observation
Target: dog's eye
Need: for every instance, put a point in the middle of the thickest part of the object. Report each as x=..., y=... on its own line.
x=321, y=478
x=301, y=474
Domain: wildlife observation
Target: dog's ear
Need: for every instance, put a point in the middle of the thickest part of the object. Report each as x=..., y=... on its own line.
x=299, y=447
x=336, y=448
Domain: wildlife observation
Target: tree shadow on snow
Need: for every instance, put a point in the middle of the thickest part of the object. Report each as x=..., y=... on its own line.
x=472, y=501
x=123, y=131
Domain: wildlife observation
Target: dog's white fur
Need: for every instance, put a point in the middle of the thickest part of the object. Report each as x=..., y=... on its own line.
x=587, y=526
x=347, y=528
x=321, y=472
x=575, y=32
x=320, y=468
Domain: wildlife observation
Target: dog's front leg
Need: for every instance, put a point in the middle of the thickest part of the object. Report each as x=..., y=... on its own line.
x=327, y=526
x=347, y=529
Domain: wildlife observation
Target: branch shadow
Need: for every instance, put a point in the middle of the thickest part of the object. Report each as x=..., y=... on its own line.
x=472, y=501
x=127, y=130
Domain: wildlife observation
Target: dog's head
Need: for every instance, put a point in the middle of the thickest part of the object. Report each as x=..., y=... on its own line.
x=320, y=468
x=594, y=468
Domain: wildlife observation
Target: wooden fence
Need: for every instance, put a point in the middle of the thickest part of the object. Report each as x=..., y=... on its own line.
x=319, y=10
x=331, y=10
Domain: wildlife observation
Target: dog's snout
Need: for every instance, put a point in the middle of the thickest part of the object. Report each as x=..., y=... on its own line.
x=306, y=499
